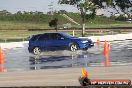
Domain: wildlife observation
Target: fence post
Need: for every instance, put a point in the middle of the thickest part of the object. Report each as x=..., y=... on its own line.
x=73, y=33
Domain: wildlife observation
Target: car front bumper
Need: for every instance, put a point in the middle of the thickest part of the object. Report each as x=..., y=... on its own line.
x=86, y=45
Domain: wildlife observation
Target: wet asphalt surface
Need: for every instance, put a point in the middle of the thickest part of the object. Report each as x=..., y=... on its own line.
x=19, y=59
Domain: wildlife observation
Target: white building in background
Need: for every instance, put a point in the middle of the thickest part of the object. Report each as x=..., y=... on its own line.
x=125, y=15
x=106, y=12
x=117, y=14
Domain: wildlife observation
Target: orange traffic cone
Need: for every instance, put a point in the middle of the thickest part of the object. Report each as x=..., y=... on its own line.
x=107, y=61
x=98, y=42
x=2, y=61
x=105, y=48
x=106, y=53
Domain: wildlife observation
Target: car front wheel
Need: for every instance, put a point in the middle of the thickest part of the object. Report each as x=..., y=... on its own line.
x=85, y=49
x=73, y=47
x=36, y=51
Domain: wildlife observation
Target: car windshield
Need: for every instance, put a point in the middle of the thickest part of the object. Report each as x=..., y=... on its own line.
x=67, y=35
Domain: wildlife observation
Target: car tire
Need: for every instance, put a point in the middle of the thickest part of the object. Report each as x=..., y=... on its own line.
x=73, y=47
x=85, y=49
x=36, y=51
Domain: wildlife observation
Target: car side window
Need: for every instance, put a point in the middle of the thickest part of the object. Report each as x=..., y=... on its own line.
x=33, y=38
x=59, y=37
x=44, y=37
x=52, y=36
x=55, y=36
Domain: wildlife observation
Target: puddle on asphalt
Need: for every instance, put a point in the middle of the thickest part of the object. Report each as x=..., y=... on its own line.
x=19, y=59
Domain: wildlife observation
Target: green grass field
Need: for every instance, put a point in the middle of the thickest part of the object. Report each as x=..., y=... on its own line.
x=22, y=33
x=24, y=26
x=21, y=22
x=21, y=25
x=17, y=29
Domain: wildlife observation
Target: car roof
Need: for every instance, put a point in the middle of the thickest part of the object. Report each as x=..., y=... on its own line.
x=50, y=33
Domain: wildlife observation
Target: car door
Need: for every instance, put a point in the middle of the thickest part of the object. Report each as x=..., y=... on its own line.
x=42, y=41
x=59, y=41
x=50, y=45
x=53, y=41
x=48, y=41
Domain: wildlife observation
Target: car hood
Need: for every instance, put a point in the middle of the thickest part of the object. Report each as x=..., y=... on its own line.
x=83, y=39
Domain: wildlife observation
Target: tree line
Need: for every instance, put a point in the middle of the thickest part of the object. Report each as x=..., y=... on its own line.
x=24, y=16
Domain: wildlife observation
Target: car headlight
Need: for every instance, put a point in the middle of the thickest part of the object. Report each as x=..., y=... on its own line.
x=84, y=41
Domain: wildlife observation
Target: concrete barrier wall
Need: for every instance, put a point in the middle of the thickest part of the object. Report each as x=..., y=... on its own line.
x=110, y=37
x=14, y=44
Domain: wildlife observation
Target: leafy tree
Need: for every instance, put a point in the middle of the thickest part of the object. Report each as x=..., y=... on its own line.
x=121, y=18
x=19, y=13
x=88, y=7
x=4, y=12
x=123, y=6
x=54, y=23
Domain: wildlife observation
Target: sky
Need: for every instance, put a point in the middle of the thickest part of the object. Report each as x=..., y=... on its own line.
x=14, y=6
x=33, y=5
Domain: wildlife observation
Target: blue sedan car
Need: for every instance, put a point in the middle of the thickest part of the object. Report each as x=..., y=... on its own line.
x=57, y=41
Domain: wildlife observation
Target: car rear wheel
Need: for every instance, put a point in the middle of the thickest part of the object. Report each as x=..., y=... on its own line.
x=36, y=51
x=73, y=47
